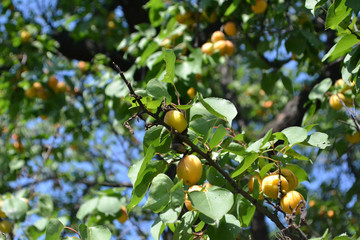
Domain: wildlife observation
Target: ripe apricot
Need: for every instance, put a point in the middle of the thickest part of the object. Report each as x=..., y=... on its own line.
x=331, y=213
x=335, y=102
x=312, y=203
x=83, y=66
x=191, y=92
x=207, y=48
x=270, y=184
x=5, y=226
x=43, y=93
x=230, y=29
x=25, y=36
x=189, y=169
x=221, y=47
x=194, y=188
x=37, y=86
x=230, y=49
x=52, y=82
x=111, y=25
x=251, y=184
x=60, y=87
x=290, y=177
x=259, y=7
x=291, y=201
x=19, y=147
x=353, y=138
x=124, y=215
x=176, y=120
x=217, y=36
x=30, y=92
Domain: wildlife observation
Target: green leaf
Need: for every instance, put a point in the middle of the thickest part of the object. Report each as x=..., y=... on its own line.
x=183, y=230
x=337, y=12
x=295, y=134
x=354, y=4
x=109, y=205
x=157, y=228
x=54, y=229
x=266, y=169
x=214, y=203
x=221, y=108
x=296, y=155
x=218, y=136
x=320, y=140
x=98, y=232
x=155, y=8
x=287, y=84
x=245, y=211
x=234, y=4
x=343, y=46
x=228, y=228
x=15, y=208
x=169, y=58
x=214, y=177
x=151, y=48
x=144, y=175
x=116, y=88
x=159, y=193
x=249, y=158
x=314, y=4
x=170, y=214
x=46, y=205
x=157, y=89
x=87, y=207
x=319, y=90
x=296, y=43
x=234, y=148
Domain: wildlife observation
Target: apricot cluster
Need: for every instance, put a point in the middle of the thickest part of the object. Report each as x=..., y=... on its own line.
x=336, y=100
x=291, y=200
x=37, y=90
x=219, y=42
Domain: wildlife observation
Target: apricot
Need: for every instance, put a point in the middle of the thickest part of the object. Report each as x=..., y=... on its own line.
x=270, y=184
x=230, y=29
x=335, y=102
x=124, y=215
x=217, y=36
x=30, y=92
x=5, y=226
x=52, y=83
x=83, y=66
x=251, y=184
x=194, y=188
x=230, y=49
x=259, y=7
x=176, y=120
x=111, y=24
x=221, y=47
x=290, y=177
x=189, y=169
x=61, y=87
x=19, y=147
x=291, y=201
x=331, y=213
x=353, y=138
x=207, y=48
x=191, y=92
x=312, y=203
x=25, y=36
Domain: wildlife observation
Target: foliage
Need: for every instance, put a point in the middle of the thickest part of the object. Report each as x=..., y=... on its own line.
x=75, y=75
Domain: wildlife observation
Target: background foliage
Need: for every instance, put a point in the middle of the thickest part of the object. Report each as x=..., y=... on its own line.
x=70, y=155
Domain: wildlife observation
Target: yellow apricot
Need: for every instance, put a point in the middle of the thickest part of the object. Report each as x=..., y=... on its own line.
x=5, y=226
x=52, y=83
x=291, y=201
x=221, y=46
x=230, y=29
x=290, y=177
x=207, y=48
x=191, y=92
x=217, y=36
x=353, y=138
x=335, y=102
x=189, y=169
x=270, y=184
x=176, y=120
x=194, y=188
x=124, y=215
x=230, y=49
x=259, y=7
x=251, y=184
